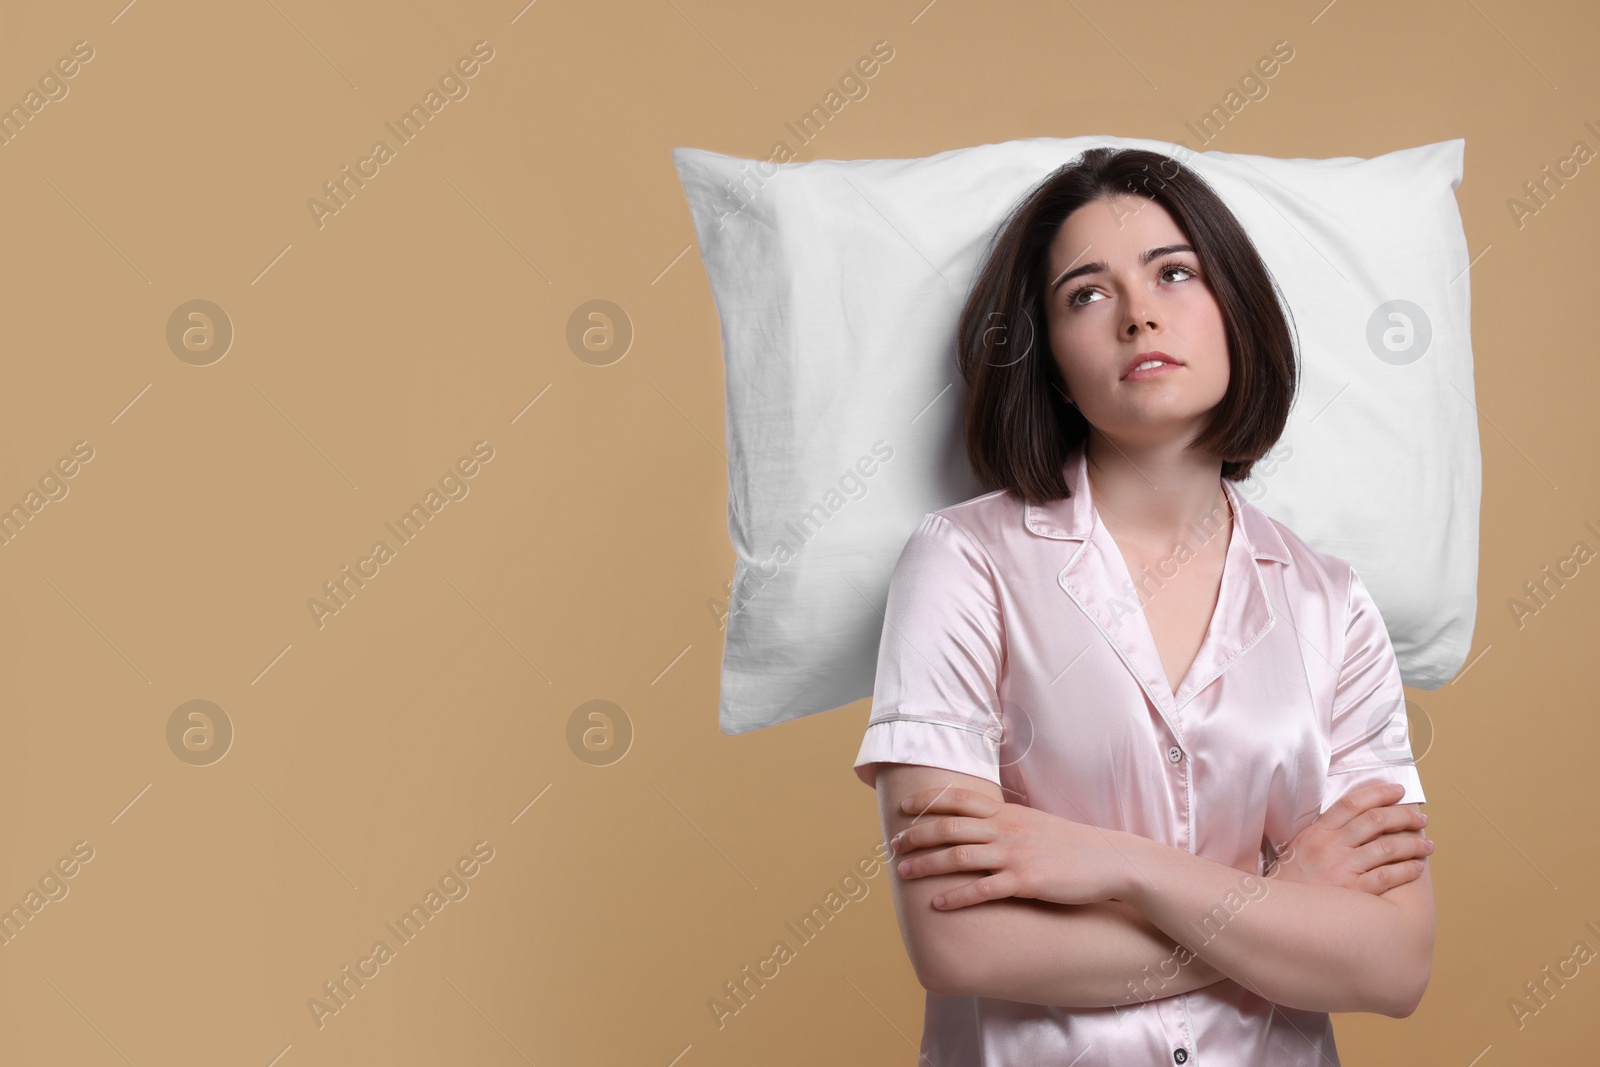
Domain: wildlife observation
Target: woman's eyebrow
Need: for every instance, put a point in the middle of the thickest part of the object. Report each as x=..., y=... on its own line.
x=1098, y=267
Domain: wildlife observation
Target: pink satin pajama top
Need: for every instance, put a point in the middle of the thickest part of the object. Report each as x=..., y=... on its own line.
x=1016, y=649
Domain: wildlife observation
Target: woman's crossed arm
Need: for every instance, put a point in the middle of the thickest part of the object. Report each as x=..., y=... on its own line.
x=1036, y=952
x=1316, y=947
x=1354, y=944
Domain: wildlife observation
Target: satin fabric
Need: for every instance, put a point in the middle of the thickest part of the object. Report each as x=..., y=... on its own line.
x=1016, y=648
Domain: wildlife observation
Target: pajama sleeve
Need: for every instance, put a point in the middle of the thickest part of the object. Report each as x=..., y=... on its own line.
x=935, y=695
x=1370, y=741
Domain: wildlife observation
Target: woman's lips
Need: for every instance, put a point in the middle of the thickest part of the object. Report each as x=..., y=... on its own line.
x=1151, y=372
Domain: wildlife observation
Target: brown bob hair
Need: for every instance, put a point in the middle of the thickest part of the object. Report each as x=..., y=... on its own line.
x=1018, y=424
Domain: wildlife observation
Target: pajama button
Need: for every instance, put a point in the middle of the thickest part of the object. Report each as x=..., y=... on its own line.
x=1180, y=1055
x=1175, y=754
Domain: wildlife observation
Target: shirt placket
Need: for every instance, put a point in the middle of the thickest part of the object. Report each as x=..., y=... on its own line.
x=1089, y=579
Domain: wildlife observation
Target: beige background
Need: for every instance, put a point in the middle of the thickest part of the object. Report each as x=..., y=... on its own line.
x=589, y=559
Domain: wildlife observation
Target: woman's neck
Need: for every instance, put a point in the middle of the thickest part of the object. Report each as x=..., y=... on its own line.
x=1153, y=496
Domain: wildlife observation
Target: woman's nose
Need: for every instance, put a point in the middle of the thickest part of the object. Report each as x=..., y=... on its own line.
x=1139, y=314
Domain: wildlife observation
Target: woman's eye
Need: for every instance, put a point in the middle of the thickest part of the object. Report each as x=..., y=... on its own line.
x=1087, y=290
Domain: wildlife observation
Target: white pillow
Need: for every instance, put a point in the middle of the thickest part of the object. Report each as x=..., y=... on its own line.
x=838, y=284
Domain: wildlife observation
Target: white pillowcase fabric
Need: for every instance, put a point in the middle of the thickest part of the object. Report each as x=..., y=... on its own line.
x=838, y=285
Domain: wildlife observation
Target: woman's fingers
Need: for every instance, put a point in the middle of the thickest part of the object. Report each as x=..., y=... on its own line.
x=991, y=888
x=1380, y=880
x=944, y=830
x=1358, y=800
x=1391, y=818
x=950, y=800
x=966, y=857
x=1391, y=848
x=963, y=818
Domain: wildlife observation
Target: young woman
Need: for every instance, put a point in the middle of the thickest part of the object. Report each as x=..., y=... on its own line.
x=1112, y=693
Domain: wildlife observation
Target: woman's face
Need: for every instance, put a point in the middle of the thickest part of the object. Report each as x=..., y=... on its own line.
x=1121, y=306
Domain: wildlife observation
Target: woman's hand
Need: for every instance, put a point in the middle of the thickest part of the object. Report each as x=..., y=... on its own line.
x=1025, y=852
x=1364, y=841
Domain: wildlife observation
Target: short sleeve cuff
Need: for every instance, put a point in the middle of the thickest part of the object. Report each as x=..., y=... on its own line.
x=929, y=741
x=1400, y=773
